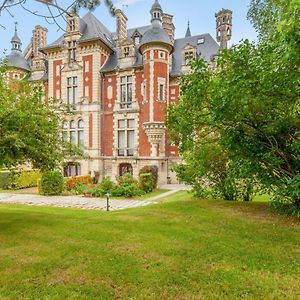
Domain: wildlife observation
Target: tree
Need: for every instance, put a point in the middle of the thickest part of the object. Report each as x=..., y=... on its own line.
x=55, y=9
x=30, y=131
x=249, y=109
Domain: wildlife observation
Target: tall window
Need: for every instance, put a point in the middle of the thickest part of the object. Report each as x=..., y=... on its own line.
x=126, y=92
x=126, y=137
x=73, y=133
x=161, y=92
x=80, y=134
x=126, y=51
x=72, y=91
x=72, y=51
x=72, y=25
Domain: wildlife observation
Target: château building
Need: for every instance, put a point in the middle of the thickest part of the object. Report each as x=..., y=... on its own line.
x=117, y=86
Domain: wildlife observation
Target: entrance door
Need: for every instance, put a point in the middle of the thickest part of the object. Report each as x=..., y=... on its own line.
x=125, y=169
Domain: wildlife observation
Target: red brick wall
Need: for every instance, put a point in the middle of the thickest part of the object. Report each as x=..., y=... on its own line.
x=57, y=79
x=88, y=77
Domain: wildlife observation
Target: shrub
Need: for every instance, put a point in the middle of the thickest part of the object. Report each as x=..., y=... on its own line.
x=19, y=179
x=154, y=171
x=24, y=179
x=77, y=185
x=106, y=185
x=52, y=183
x=127, y=190
x=4, y=179
x=146, y=182
x=127, y=187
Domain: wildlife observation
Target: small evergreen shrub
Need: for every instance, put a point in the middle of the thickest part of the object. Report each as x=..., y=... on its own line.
x=106, y=185
x=146, y=182
x=52, y=183
x=154, y=171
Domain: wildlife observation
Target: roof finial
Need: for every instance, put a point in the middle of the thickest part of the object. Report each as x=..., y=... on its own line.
x=188, y=31
x=16, y=28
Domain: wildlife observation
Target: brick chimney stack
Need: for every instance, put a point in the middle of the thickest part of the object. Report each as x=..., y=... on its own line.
x=168, y=26
x=121, y=26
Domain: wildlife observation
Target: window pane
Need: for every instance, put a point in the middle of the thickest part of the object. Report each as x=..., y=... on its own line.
x=130, y=123
x=65, y=125
x=130, y=139
x=121, y=139
x=129, y=96
x=73, y=137
x=72, y=125
x=121, y=123
x=123, y=93
x=80, y=124
x=123, y=79
x=129, y=78
x=80, y=138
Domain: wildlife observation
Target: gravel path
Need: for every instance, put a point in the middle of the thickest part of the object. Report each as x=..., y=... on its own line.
x=80, y=202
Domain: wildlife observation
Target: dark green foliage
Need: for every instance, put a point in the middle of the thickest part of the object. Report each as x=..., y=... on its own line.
x=4, y=179
x=127, y=186
x=52, y=183
x=238, y=128
x=154, y=171
x=146, y=182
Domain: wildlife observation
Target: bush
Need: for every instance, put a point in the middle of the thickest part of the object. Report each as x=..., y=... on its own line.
x=4, y=179
x=19, y=179
x=52, y=183
x=146, y=182
x=127, y=187
x=154, y=171
x=106, y=185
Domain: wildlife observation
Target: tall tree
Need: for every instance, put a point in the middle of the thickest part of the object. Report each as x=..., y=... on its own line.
x=30, y=131
x=249, y=109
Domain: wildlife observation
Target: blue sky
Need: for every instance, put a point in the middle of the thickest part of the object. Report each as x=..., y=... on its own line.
x=199, y=12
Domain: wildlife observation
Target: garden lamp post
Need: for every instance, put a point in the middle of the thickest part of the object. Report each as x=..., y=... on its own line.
x=107, y=201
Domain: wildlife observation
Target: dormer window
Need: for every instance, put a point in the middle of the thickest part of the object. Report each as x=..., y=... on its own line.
x=126, y=51
x=201, y=41
x=72, y=25
x=72, y=51
x=188, y=56
x=136, y=40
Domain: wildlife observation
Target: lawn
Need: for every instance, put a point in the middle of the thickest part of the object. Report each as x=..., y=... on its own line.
x=181, y=249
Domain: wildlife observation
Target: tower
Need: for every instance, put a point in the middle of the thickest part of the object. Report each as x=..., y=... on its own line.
x=156, y=48
x=188, y=31
x=224, y=27
x=39, y=40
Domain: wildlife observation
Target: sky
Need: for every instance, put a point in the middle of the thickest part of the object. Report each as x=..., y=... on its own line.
x=200, y=13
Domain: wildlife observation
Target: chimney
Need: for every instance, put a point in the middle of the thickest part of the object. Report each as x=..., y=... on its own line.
x=224, y=27
x=168, y=26
x=39, y=40
x=121, y=26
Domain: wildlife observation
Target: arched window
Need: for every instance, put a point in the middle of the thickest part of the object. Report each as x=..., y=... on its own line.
x=228, y=31
x=73, y=132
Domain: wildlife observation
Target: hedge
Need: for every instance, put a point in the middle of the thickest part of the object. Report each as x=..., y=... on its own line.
x=19, y=179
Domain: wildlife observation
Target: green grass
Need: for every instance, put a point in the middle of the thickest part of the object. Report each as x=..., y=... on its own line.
x=183, y=249
x=156, y=192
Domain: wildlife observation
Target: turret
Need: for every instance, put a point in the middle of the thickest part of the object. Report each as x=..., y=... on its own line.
x=224, y=27
x=156, y=48
x=16, y=59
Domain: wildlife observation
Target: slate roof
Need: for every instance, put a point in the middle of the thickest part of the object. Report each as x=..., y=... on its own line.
x=155, y=34
x=207, y=49
x=91, y=29
x=16, y=59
